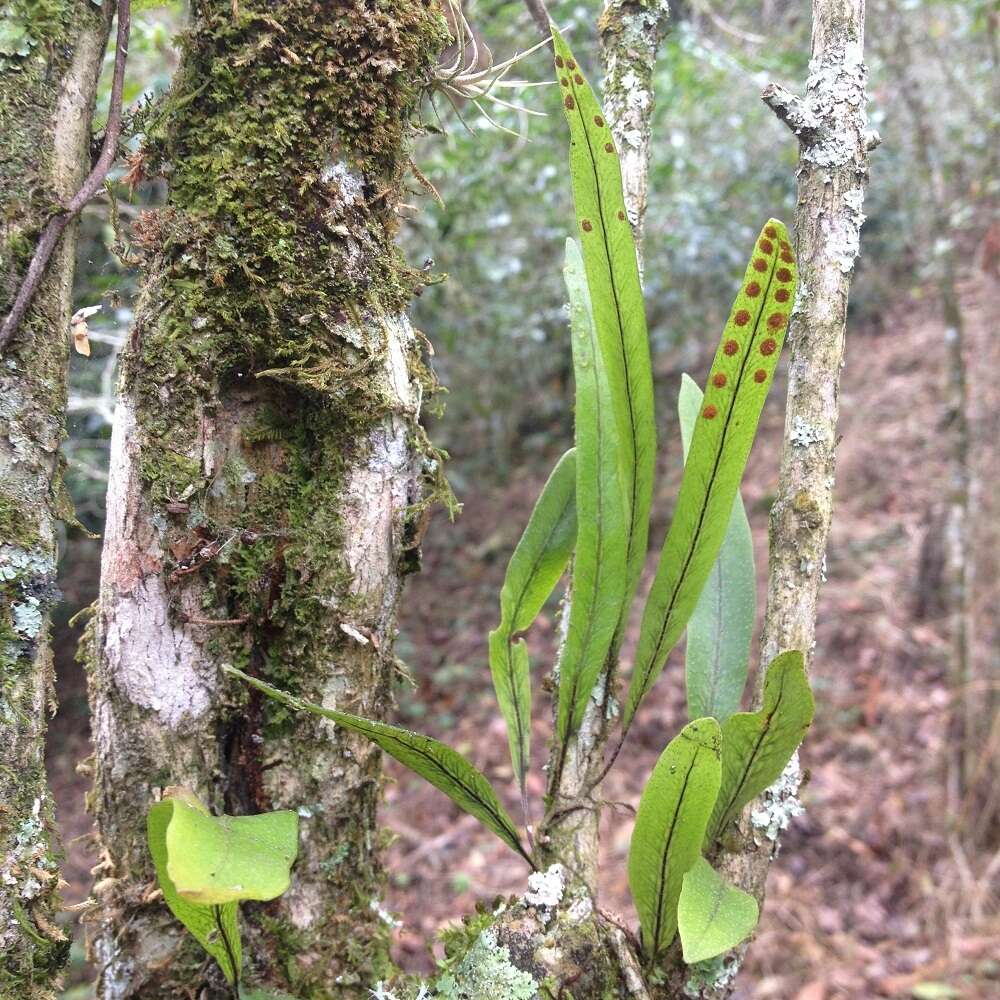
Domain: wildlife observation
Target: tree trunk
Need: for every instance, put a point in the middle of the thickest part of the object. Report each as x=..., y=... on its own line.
x=834, y=142
x=631, y=32
x=48, y=82
x=265, y=487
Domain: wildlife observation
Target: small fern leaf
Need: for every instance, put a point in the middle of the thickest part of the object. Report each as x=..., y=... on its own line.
x=598, y=588
x=534, y=569
x=206, y=864
x=669, y=828
x=712, y=916
x=756, y=746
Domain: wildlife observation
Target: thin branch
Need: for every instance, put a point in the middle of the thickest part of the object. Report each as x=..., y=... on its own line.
x=627, y=961
x=794, y=112
x=540, y=15
x=55, y=227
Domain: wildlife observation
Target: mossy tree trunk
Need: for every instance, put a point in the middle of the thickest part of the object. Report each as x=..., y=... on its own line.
x=267, y=477
x=49, y=64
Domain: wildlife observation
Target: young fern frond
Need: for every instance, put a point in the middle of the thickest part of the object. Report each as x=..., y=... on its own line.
x=534, y=569
x=446, y=769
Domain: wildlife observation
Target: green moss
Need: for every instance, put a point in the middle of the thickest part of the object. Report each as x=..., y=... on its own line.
x=458, y=938
x=27, y=24
x=169, y=474
x=254, y=271
x=16, y=528
x=487, y=973
x=259, y=346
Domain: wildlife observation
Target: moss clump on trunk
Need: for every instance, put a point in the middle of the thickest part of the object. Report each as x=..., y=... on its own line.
x=270, y=371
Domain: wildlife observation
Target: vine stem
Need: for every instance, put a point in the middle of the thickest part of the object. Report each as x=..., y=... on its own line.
x=57, y=224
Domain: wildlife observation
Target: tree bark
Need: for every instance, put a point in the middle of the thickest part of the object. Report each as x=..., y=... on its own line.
x=266, y=471
x=47, y=91
x=831, y=125
x=631, y=32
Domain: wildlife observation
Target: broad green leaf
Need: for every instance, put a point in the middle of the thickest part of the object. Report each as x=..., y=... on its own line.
x=534, y=569
x=712, y=915
x=598, y=587
x=224, y=859
x=263, y=994
x=616, y=295
x=446, y=769
x=215, y=928
x=738, y=384
x=669, y=828
x=756, y=746
x=720, y=629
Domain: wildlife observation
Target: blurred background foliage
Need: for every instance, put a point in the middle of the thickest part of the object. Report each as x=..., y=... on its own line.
x=721, y=163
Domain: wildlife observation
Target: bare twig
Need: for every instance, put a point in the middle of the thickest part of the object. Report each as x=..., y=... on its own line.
x=57, y=224
x=194, y=620
x=628, y=962
x=794, y=112
x=540, y=15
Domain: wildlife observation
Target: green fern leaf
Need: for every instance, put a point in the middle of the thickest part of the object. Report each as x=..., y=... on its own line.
x=616, y=296
x=598, y=587
x=446, y=769
x=720, y=629
x=669, y=828
x=739, y=382
x=756, y=746
x=534, y=569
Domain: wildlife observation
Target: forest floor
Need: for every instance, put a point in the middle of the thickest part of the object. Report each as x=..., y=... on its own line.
x=874, y=894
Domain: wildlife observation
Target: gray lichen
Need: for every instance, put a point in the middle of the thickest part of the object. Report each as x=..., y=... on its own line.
x=487, y=973
x=545, y=889
x=804, y=434
x=780, y=804
x=708, y=977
